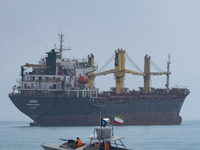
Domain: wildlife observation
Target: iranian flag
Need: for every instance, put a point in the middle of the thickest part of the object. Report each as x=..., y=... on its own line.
x=118, y=120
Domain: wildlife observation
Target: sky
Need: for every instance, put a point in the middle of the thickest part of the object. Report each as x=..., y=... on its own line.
x=29, y=29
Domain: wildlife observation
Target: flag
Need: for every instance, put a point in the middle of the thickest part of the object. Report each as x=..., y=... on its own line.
x=103, y=122
x=118, y=120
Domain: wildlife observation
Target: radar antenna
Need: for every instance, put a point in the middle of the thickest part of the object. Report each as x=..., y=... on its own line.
x=61, y=49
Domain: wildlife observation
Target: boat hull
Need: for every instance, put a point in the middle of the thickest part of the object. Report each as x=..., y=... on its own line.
x=52, y=147
x=63, y=111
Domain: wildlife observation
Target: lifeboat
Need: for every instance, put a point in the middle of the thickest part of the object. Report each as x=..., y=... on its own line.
x=83, y=80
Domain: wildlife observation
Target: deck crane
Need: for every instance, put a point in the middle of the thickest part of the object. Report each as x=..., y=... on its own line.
x=148, y=73
x=119, y=72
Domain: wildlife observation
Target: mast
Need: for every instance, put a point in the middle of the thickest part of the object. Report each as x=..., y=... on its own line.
x=120, y=70
x=168, y=73
x=61, y=35
x=147, y=74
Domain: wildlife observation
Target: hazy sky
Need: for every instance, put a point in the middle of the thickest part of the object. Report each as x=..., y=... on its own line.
x=28, y=29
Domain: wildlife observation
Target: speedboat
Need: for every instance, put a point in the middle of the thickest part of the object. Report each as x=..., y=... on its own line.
x=68, y=144
x=102, y=139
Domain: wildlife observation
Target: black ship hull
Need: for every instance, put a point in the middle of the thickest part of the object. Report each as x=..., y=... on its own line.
x=63, y=111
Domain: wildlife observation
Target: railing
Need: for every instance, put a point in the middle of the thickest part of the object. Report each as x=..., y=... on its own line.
x=62, y=93
x=81, y=93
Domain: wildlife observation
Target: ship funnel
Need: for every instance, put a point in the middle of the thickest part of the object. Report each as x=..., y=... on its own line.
x=51, y=62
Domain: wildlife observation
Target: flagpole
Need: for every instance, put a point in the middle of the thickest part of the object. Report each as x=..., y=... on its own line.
x=112, y=125
x=100, y=124
x=100, y=118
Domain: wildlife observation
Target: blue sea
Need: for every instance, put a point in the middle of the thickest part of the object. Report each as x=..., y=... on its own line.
x=20, y=136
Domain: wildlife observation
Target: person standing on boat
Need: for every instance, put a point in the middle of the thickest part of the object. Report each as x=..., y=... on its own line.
x=107, y=145
x=78, y=142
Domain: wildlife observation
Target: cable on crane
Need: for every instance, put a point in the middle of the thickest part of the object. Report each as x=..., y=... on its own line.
x=106, y=64
x=133, y=63
x=155, y=66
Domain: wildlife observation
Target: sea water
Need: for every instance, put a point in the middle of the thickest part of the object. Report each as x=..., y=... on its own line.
x=20, y=136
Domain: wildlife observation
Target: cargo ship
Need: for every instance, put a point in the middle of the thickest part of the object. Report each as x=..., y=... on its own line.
x=60, y=92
